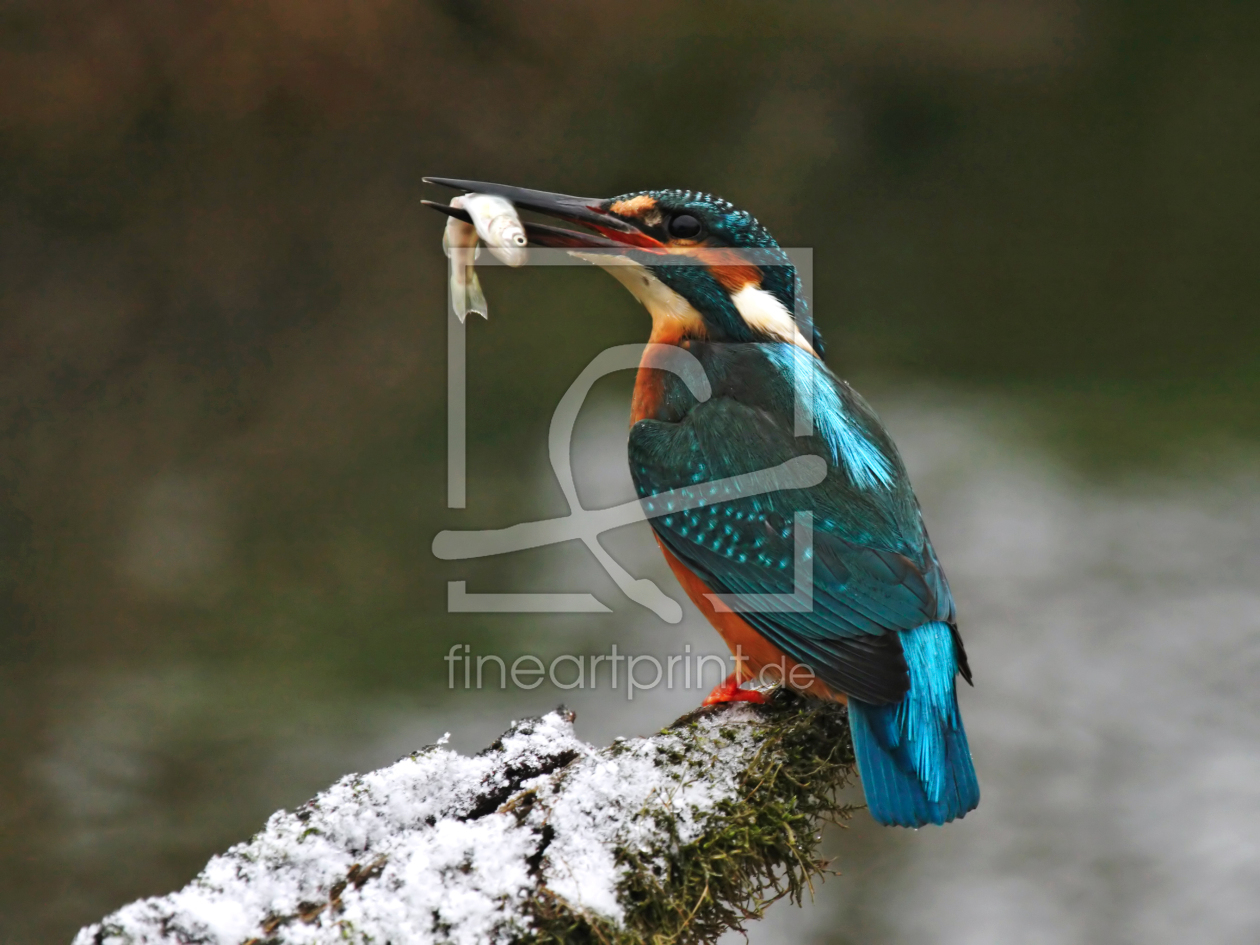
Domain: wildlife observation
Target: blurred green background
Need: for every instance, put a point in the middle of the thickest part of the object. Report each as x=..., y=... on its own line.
x=223, y=337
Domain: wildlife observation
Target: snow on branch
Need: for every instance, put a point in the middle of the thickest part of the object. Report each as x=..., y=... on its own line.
x=540, y=838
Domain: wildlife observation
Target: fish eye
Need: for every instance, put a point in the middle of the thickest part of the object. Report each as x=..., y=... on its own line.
x=684, y=227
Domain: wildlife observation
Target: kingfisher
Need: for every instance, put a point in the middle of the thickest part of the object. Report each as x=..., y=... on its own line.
x=880, y=633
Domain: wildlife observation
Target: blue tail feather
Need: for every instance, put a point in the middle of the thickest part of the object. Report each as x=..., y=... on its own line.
x=913, y=756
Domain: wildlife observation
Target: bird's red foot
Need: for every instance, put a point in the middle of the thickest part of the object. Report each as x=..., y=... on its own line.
x=729, y=691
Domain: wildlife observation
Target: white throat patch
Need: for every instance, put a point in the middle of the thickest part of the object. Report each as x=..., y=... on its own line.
x=671, y=313
x=764, y=312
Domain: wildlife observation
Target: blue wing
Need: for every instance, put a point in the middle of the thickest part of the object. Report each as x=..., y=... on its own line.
x=875, y=572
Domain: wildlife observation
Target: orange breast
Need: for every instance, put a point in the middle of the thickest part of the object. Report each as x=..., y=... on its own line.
x=649, y=386
x=649, y=383
x=739, y=635
x=742, y=639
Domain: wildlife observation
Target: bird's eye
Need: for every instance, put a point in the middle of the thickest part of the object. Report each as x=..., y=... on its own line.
x=684, y=227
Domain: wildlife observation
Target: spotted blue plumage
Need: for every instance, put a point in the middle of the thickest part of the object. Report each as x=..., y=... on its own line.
x=881, y=625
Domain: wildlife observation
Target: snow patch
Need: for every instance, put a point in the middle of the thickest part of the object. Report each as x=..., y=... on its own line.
x=439, y=847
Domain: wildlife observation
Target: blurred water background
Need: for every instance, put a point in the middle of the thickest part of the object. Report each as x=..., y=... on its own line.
x=222, y=465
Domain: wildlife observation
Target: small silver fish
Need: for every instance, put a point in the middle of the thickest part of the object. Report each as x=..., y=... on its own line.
x=498, y=226
x=459, y=240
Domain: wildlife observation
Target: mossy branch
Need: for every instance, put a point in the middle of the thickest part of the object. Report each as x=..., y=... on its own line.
x=674, y=838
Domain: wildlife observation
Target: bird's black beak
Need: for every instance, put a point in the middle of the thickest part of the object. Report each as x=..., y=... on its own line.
x=613, y=232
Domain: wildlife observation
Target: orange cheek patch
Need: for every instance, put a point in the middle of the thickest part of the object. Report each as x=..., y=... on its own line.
x=726, y=266
x=734, y=278
x=635, y=206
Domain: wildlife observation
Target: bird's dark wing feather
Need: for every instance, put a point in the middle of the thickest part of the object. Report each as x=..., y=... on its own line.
x=870, y=578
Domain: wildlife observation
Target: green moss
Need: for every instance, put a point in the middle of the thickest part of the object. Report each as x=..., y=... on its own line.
x=758, y=847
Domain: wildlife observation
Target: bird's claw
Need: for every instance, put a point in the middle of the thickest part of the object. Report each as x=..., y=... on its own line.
x=729, y=691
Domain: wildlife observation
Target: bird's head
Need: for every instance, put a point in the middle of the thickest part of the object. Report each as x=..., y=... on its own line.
x=702, y=267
